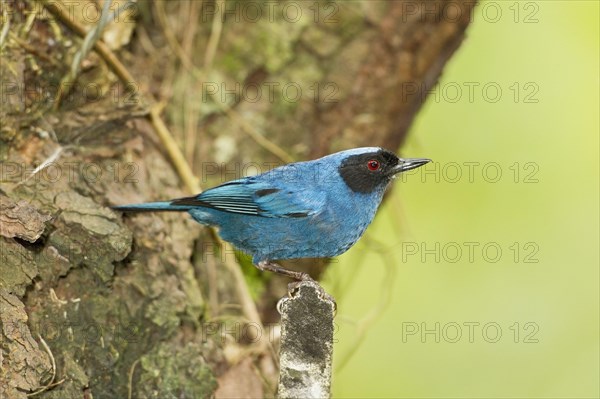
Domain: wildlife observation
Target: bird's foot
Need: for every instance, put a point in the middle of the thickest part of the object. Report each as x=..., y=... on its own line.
x=275, y=268
x=300, y=277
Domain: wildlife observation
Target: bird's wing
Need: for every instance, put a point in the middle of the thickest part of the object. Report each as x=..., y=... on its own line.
x=251, y=197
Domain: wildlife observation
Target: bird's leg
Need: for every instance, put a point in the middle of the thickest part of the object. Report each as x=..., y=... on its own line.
x=275, y=268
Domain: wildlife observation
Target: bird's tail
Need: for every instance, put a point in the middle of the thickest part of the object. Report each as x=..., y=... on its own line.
x=165, y=206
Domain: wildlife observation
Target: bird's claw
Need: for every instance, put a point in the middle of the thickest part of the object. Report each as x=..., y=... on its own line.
x=305, y=277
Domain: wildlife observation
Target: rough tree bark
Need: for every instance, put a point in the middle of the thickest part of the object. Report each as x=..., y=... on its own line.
x=95, y=304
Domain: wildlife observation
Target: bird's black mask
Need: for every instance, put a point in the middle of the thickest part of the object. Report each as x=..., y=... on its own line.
x=365, y=173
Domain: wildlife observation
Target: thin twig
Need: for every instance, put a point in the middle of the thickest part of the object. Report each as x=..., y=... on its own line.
x=29, y=22
x=86, y=46
x=192, y=13
x=182, y=167
x=51, y=358
x=215, y=36
x=170, y=36
x=106, y=53
x=28, y=47
x=51, y=383
x=190, y=132
x=130, y=379
x=213, y=293
x=5, y=28
x=190, y=137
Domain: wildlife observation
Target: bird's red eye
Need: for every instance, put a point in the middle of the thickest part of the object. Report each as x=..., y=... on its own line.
x=373, y=165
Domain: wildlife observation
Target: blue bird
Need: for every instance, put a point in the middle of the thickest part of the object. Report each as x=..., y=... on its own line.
x=312, y=209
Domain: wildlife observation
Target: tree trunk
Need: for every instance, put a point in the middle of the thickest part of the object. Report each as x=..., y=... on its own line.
x=92, y=303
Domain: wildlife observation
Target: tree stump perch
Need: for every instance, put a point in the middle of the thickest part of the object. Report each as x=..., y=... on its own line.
x=306, y=351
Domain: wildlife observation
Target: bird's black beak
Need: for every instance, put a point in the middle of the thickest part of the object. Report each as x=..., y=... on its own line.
x=408, y=164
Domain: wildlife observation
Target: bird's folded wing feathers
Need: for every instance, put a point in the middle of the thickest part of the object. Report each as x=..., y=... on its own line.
x=259, y=199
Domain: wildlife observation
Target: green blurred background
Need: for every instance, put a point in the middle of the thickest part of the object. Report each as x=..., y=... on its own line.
x=522, y=322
